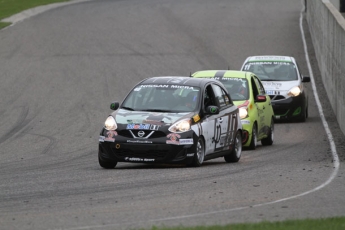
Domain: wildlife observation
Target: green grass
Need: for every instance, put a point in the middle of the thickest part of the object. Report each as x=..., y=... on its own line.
x=11, y=7
x=337, y=223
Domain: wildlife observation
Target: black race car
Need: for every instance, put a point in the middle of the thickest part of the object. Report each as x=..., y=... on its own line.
x=172, y=120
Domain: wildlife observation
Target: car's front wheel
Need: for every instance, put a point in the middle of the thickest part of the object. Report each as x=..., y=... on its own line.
x=107, y=164
x=236, y=151
x=199, y=153
x=304, y=115
x=270, y=136
x=254, y=138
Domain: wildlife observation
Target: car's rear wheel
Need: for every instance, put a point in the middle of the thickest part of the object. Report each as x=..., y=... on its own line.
x=270, y=138
x=199, y=155
x=107, y=164
x=236, y=151
x=254, y=138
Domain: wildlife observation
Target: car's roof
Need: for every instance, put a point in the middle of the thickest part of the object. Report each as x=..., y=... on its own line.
x=221, y=74
x=276, y=58
x=178, y=80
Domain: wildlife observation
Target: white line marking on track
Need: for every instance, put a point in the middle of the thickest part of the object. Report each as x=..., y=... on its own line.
x=335, y=157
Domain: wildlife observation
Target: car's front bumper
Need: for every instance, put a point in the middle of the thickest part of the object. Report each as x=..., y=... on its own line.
x=246, y=132
x=289, y=108
x=153, y=150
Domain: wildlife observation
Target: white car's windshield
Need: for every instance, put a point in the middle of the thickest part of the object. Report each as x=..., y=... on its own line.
x=163, y=98
x=272, y=70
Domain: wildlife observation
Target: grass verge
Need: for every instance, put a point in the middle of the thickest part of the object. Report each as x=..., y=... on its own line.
x=11, y=7
x=336, y=223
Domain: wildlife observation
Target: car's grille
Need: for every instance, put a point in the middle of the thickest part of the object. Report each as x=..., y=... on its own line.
x=277, y=97
x=154, y=154
x=280, y=112
x=154, y=134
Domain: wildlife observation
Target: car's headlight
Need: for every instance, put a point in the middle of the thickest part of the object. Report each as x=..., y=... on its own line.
x=243, y=112
x=181, y=126
x=110, y=123
x=295, y=91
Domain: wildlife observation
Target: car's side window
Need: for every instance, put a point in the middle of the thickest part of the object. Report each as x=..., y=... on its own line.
x=226, y=97
x=221, y=96
x=254, y=87
x=260, y=86
x=208, y=97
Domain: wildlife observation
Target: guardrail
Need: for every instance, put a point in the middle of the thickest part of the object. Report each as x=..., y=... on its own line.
x=327, y=28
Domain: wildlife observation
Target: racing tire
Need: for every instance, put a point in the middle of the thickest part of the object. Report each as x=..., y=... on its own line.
x=236, y=151
x=303, y=116
x=107, y=164
x=254, y=139
x=270, y=137
x=199, y=156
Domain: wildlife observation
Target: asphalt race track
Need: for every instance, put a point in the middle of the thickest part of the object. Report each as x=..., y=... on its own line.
x=61, y=69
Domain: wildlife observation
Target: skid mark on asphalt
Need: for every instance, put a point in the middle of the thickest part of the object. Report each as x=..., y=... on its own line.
x=19, y=124
x=51, y=143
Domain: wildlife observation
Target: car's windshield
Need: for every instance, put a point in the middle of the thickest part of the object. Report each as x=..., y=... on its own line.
x=272, y=70
x=237, y=88
x=163, y=98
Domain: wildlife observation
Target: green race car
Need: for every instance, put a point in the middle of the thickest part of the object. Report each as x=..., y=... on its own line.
x=248, y=94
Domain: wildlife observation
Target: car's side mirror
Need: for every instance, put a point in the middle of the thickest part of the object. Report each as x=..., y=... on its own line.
x=305, y=78
x=114, y=105
x=212, y=109
x=260, y=98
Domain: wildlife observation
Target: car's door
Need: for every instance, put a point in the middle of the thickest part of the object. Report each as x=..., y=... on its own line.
x=209, y=121
x=264, y=108
x=226, y=121
x=258, y=105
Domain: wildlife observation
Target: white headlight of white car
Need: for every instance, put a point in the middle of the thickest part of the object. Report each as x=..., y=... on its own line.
x=110, y=123
x=181, y=126
x=295, y=91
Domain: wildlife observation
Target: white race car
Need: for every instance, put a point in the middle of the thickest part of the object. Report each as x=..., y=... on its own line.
x=283, y=82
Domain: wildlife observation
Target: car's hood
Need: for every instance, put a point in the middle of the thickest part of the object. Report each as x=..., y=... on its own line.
x=279, y=85
x=123, y=116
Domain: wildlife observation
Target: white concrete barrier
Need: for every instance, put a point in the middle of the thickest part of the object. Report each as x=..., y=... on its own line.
x=327, y=28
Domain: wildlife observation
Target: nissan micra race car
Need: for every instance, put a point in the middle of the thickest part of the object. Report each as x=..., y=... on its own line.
x=172, y=120
x=283, y=81
x=254, y=104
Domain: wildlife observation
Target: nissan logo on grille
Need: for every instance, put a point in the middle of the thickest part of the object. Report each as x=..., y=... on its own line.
x=141, y=133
